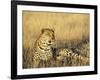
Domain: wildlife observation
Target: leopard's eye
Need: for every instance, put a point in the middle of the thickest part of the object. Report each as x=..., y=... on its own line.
x=67, y=54
x=57, y=54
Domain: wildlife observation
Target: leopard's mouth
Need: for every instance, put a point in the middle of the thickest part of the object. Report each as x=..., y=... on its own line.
x=49, y=44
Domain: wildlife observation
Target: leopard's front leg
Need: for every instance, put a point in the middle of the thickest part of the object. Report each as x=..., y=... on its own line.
x=36, y=61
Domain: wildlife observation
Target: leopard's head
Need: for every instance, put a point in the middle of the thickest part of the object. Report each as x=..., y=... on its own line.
x=47, y=37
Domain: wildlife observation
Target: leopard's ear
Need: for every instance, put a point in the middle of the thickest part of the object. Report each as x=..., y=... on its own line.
x=42, y=31
x=52, y=30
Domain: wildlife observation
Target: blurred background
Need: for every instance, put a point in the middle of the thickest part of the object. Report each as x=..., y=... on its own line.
x=69, y=27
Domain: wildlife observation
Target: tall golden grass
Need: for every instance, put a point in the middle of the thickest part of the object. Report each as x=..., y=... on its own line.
x=69, y=28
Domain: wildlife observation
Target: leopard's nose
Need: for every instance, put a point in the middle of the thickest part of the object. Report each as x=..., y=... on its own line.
x=49, y=41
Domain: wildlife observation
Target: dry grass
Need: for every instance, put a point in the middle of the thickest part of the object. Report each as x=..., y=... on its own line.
x=71, y=31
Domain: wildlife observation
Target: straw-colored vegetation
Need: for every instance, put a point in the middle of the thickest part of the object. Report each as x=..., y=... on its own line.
x=71, y=31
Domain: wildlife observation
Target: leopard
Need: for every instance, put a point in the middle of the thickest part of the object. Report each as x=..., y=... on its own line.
x=69, y=58
x=43, y=47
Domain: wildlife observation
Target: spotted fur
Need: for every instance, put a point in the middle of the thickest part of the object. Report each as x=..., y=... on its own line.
x=68, y=57
x=42, y=47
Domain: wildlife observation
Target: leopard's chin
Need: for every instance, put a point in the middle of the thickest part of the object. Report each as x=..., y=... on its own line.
x=49, y=44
